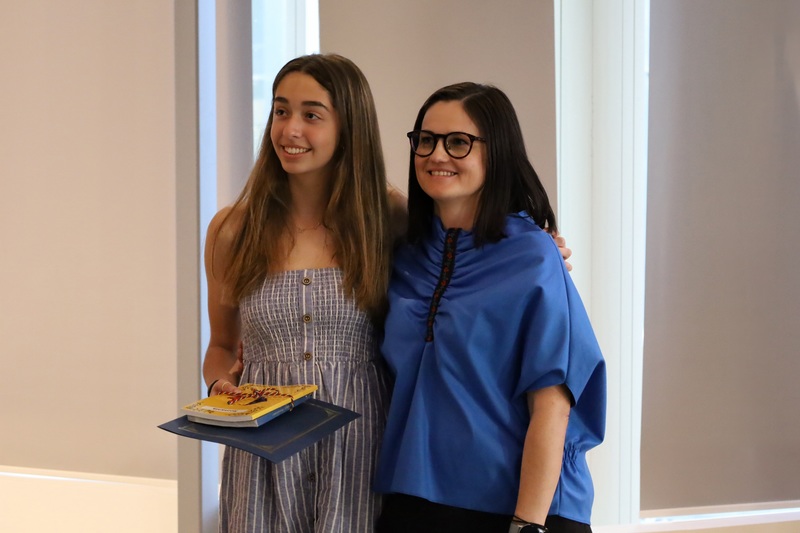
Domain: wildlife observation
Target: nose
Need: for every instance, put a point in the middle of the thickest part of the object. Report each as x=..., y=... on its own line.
x=439, y=153
x=294, y=127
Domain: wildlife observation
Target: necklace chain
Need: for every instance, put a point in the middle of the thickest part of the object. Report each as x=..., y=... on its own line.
x=303, y=230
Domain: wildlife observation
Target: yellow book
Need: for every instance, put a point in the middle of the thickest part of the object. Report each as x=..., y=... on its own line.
x=253, y=407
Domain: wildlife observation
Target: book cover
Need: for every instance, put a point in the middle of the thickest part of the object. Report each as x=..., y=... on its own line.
x=303, y=426
x=253, y=406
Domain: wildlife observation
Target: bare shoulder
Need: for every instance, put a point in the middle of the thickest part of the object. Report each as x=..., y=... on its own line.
x=220, y=236
x=225, y=225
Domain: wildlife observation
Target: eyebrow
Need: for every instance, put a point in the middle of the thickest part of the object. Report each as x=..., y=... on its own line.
x=309, y=103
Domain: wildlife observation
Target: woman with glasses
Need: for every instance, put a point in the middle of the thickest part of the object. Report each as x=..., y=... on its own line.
x=499, y=381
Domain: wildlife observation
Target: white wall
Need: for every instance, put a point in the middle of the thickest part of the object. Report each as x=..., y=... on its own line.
x=87, y=268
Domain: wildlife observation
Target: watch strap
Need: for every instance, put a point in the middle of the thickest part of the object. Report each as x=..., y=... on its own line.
x=520, y=526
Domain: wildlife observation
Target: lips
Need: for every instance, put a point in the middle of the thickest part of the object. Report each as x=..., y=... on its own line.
x=441, y=173
x=295, y=150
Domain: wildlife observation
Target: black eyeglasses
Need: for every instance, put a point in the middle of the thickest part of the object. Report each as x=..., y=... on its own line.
x=457, y=144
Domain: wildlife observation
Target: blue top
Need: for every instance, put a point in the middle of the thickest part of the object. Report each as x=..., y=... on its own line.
x=469, y=332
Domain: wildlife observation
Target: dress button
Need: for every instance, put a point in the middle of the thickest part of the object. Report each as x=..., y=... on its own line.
x=307, y=356
x=312, y=477
x=306, y=318
x=306, y=281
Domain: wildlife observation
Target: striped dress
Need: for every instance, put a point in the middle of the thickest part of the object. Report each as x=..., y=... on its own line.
x=299, y=328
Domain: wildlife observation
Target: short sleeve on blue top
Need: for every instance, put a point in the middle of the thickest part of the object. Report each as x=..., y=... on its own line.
x=469, y=332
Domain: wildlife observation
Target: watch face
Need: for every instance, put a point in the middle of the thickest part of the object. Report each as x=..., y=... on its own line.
x=530, y=529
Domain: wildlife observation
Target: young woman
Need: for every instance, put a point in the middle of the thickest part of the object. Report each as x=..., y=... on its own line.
x=499, y=384
x=297, y=270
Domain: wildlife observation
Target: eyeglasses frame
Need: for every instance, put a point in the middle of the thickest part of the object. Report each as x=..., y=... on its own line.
x=443, y=136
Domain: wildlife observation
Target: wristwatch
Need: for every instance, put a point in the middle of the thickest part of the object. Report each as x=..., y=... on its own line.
x=526, y=527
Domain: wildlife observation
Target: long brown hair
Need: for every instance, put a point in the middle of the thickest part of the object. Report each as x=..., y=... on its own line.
x=357, y=210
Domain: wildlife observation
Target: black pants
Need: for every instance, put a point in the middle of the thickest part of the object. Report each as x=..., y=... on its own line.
x=409, y=514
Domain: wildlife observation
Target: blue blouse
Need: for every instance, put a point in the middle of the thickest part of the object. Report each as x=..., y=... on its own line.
x=469, y=332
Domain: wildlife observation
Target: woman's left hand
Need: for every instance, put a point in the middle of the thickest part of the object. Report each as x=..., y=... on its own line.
x=566, y=253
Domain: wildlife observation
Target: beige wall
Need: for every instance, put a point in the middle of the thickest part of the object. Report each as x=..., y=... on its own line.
x=409, y=49
x=87, y=268
x=87, y=158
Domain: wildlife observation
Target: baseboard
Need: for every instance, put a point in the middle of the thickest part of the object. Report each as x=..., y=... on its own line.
x=35, y=500
x=772, y=517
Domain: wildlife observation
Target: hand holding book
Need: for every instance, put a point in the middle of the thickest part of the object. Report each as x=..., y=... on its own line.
x=218, y=386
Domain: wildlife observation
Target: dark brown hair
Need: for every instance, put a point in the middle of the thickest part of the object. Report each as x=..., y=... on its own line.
x=511, y=185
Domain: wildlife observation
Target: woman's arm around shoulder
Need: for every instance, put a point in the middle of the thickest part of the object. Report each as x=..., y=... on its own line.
x=398, y=211
x=223, y=314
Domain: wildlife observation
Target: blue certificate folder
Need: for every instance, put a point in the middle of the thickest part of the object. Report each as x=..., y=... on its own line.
x=276, y=440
